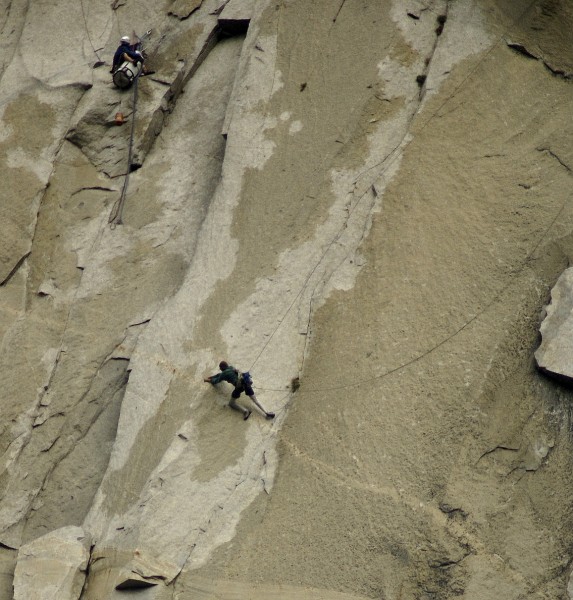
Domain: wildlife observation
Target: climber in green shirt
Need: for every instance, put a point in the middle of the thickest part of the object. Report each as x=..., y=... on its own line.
x=242, y=382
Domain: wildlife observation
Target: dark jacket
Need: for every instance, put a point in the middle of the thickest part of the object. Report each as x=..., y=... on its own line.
x=230, y=375
x=125, y=49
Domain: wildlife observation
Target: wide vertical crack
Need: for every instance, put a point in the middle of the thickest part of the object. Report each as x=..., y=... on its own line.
x=422, y=77
x=86, y=572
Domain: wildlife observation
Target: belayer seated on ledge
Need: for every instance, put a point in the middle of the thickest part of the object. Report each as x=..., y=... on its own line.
x=242, y=383
x=128, y=64
x=125, y=53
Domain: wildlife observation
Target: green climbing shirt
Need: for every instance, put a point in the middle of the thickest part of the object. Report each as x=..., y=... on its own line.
x=229, y=375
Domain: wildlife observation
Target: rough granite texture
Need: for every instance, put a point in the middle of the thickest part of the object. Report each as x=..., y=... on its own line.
x=366, y=203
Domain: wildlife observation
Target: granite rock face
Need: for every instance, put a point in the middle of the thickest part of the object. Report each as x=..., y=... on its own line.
x=364, y=204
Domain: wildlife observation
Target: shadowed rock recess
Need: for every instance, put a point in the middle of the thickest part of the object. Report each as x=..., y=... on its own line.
x=366, y=203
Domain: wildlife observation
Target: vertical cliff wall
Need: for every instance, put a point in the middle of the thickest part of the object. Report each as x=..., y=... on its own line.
x=365, y=204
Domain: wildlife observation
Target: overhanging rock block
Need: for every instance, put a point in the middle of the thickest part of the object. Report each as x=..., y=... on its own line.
x=133, y=581
x=236, y=16
x=555, y=354
x=116, y=570
x=53, y=566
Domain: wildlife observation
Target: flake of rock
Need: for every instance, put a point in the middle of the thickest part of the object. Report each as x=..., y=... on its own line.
x=53, y=566
x=521, y=49
x=554, y=354
x=48, y=288
x=40, y=419
x=183, y=9
x=125, y=349
x=536, y=454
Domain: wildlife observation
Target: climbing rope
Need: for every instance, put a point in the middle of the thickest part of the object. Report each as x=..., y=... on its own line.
x=116, y=215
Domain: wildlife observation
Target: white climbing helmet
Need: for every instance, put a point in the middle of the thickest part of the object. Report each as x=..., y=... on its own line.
x=125, y=39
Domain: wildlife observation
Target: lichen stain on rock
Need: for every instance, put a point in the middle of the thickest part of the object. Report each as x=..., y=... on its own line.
x=273, y=195
x=64, y=206
x=17, y=117
x=21, y=151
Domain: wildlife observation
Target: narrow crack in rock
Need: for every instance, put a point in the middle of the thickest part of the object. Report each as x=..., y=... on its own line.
x=15, y=270
x=87, y=572
x=500, y=447
x=94, y=188
x=555, y=156
x=521, y=49
x=338, y=11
